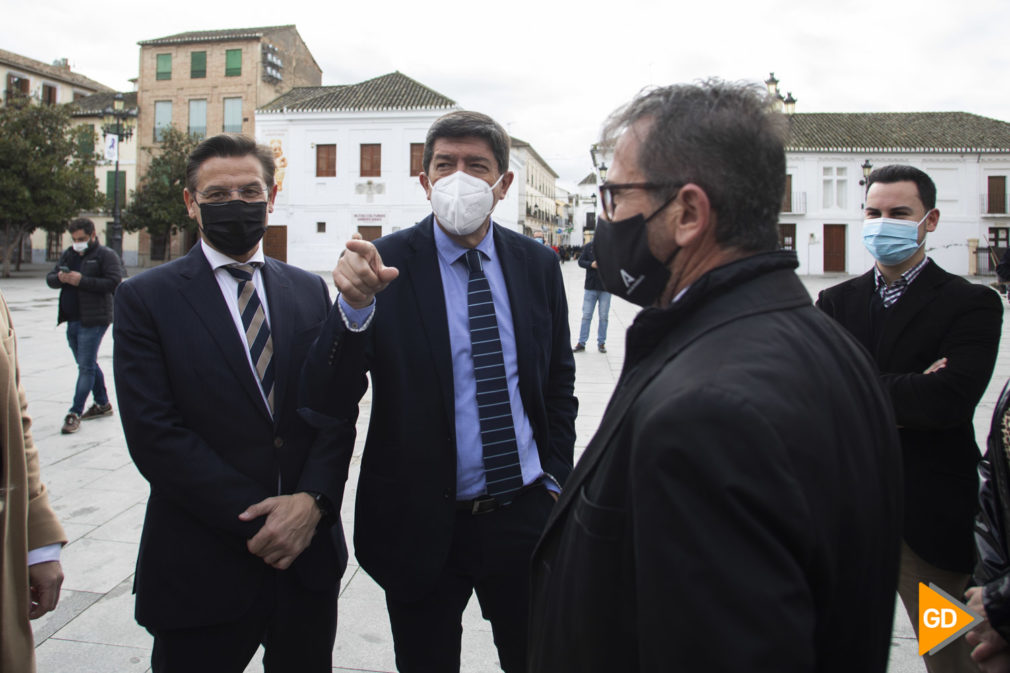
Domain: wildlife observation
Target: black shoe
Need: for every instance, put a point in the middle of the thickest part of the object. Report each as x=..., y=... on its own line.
x=603, y=348
x=97, y=411
x=579, y=348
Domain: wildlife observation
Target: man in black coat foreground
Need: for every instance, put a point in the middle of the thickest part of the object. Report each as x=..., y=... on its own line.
x=739, y=507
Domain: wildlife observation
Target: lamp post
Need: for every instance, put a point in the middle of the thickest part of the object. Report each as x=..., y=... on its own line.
x=115, y=118
x=868, y=168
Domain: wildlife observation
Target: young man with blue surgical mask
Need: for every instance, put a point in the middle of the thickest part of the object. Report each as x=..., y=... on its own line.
x=934, y=337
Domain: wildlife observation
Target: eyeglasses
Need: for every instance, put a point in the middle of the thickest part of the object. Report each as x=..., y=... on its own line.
x=221, y=195
x=609, y=190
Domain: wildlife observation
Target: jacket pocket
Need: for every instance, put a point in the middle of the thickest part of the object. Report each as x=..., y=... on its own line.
x=598, y=521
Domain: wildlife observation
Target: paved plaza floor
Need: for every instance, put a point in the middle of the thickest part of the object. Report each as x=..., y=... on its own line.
x=100, y=498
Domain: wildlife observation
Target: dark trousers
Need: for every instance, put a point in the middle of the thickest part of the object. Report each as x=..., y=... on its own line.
x=296, y=627
x=84, y=343
x=490, y=554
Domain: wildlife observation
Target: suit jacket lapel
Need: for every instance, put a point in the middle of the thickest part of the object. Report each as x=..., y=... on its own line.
x=514, y=264
x=204, y=296
x=426, y=282
x=282, y=325
x=917, y=296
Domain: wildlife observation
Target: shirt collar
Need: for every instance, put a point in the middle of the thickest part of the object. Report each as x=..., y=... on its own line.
x=218, y=259
x=904, y=280
x=449, y=250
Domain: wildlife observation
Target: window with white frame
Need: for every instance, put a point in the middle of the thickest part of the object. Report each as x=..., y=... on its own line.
x=835, y=185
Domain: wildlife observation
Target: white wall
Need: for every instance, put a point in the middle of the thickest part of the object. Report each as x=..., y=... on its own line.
x=961, y=181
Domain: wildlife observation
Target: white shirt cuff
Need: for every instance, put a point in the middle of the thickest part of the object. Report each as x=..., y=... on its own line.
x=51, y=552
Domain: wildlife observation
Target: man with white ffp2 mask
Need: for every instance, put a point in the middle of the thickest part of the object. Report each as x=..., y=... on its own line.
x=463, y=326
x=934, y=337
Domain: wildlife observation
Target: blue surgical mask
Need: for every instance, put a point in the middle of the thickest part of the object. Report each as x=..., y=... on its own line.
x=892, y=241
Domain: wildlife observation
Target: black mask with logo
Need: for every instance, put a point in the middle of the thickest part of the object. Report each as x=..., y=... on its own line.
x=234, y=227
x=626, y=265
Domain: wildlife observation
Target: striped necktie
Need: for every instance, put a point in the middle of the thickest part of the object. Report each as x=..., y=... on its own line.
x=497, y=432
x=257, y=332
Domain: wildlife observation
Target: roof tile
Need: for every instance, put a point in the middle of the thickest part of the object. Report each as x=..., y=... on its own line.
x=945, y=132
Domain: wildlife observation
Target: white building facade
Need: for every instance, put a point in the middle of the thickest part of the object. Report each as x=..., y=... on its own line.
x=967, y=156
x=348, y=161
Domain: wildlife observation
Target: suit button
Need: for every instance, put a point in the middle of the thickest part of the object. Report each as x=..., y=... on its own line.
x=278, y=442
x=445, y=494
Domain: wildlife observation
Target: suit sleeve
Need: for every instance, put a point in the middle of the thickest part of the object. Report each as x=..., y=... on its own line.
x=329, y=456
x=559, y=398
x=710, y=511
x=333, y=378
x=948, y=398
x=171, y=456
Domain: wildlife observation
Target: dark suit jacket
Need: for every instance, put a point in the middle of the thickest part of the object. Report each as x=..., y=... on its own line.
x=739, y=507
x=940, y=315
x=199, y=431
x=407, y=489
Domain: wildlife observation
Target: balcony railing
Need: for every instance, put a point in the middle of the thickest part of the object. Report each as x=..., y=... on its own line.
x=994, y=204
x=796, y=203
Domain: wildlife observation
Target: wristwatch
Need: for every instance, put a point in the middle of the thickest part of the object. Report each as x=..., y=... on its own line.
x=325, y=508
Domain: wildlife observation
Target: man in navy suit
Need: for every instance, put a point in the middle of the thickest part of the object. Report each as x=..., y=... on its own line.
x=241, y=543
x=463, y=326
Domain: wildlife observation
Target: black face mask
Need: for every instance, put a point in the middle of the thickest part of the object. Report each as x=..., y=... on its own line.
x=234, y=227
x=627, y=267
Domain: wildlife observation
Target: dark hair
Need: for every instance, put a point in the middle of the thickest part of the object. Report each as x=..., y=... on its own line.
x=82, y=224
x=228, y=145
x=463, y=124
x=901, y=173
x=724, y=137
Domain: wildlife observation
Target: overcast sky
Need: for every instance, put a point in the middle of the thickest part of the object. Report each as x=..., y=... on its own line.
x=551, y=71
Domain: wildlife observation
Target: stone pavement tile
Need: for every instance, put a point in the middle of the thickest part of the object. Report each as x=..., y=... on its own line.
x=68, y=656
x=110, y=454
x=55, y=450
x=63, y=478
x=94, y=506
x=126, y=478
x=98, y=565
x=72, y=604
x=109, y=621
x=123, y=528
x=364, y=640
x=75, y=531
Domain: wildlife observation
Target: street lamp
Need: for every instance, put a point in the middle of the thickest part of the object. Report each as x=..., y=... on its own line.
x=867, y=169
x=116, y=125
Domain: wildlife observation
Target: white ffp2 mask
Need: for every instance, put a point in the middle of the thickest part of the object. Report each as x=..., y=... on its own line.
x=462, y=202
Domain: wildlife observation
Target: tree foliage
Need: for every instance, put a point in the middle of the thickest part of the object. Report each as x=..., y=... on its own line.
x=47, y=171
x=157, y=202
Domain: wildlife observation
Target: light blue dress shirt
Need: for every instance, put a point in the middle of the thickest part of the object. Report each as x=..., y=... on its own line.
x=470, y=481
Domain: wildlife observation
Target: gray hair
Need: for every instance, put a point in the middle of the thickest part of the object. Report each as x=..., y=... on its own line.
x=722, y=136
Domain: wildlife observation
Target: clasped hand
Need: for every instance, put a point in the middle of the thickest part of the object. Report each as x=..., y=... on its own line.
x=290, y=524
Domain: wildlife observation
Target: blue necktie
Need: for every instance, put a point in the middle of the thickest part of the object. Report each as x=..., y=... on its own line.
x=501, y=456
x=257, y=332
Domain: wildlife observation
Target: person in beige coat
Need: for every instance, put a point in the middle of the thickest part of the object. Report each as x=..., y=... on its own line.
x=31, y=536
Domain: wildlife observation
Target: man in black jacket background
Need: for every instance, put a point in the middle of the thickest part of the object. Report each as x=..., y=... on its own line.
x=86, y=276
x=595, y=294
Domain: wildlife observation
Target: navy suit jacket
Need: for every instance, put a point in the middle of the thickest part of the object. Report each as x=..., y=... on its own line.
x=939, y=315
x=199, y=431
x=406, y=493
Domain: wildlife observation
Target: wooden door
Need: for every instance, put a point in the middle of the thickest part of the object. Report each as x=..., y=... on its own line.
x=369, y=232
x=787, y=236
x=275, y=242
x=834, y=248
x=997, y=195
